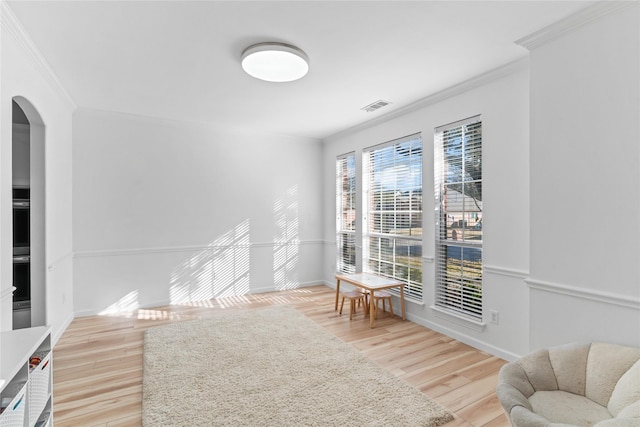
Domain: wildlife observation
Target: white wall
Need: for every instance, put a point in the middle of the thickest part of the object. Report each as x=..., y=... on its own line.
x=168, y=211
x=585, y=183
x=502, y=99
x=177, y=212
x=24, y=74
x=562, y=203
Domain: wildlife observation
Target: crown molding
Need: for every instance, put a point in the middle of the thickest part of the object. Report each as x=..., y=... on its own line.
x=12, y=27
x=452, y=91
x=189, y=123
x=572, y=23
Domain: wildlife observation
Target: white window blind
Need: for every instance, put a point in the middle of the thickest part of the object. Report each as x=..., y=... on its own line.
x=393, y=201
x=458, y=194
x=346, y=213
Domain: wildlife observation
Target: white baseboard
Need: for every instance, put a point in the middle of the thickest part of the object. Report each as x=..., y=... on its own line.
x=161, y=303
x=457, y=335
x=55, y=336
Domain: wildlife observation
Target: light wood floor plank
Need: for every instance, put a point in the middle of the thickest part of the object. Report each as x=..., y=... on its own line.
x=483, y=411
x=97, y=369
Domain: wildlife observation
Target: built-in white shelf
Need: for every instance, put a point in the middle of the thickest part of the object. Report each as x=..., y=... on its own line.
x=26, y=388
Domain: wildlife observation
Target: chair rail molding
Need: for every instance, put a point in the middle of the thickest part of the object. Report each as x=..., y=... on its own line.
x=503, y=271
x=192, y=248
x=598, y=296
x=7, y=293
x=58, y=260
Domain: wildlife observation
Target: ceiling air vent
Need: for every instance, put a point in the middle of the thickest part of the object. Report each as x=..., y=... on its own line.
x=375, y=106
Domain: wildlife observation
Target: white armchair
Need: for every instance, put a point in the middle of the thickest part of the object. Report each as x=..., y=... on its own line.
x=595, y=384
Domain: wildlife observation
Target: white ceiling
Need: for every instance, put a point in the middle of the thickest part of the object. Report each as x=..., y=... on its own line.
x=181, y=59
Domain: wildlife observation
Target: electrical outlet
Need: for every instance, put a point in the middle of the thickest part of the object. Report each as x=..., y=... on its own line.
x=494, y=317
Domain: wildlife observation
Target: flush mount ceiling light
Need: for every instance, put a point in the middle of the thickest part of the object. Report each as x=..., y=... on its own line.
x=275, y=62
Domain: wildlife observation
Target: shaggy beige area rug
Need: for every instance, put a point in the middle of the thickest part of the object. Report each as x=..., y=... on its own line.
x=271, y=367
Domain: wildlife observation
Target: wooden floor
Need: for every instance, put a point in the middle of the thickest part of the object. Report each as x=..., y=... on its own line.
x=97, y=363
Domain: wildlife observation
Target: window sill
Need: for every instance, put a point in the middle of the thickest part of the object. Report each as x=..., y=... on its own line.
x=413, y=300
x=458, y=319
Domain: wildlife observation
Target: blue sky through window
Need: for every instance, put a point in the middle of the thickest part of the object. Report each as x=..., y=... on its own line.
x=399, y=166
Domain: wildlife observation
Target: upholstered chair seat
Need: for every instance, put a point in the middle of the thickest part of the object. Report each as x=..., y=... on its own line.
x=595, y=384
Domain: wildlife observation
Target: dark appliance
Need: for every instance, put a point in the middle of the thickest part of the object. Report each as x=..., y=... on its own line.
x=21, y=258
x=22, y=294
x=21, y=221
x=21, y=279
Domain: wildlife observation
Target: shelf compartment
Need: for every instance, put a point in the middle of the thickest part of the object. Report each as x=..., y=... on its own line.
x=13, y=414
x=45, y=419
x=39, y=385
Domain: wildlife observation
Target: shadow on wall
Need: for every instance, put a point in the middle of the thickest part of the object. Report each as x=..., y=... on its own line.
x=223, y=268
x=220, y=270
x=127, y=303
x=286, y=241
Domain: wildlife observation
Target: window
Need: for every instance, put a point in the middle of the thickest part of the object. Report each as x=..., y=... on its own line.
x=346, y=213
x=392, y=177
x=458, y=194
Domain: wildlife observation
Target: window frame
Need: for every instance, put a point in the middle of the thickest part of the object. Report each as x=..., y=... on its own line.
x=345, y=208
x=399, y=245
x=459, y=244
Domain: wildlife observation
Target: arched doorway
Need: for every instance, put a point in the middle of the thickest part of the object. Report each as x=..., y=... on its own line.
x=28, y=182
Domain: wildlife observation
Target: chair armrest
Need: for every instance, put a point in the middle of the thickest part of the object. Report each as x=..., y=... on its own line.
x=523, y=417
x=514, y=375
x=511, y=397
